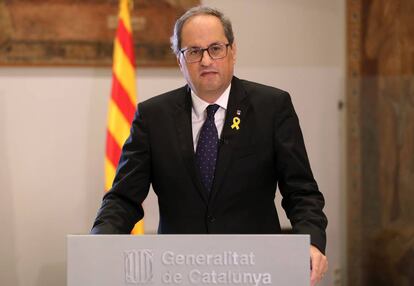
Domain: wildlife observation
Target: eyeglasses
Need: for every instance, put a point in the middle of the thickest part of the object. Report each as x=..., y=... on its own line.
x=195, y=54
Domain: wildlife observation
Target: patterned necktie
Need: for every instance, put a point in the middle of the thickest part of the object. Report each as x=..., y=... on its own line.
x=207, y=148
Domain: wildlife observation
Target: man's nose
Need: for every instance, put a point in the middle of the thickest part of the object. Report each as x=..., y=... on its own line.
x=206, y=59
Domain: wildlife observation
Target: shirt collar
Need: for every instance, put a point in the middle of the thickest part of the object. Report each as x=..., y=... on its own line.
x=200, y=105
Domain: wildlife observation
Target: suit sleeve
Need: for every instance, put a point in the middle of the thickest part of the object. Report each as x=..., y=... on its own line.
x=302, y=200
x=121, y=206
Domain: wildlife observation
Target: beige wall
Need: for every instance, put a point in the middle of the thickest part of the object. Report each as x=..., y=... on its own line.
x=52, y=126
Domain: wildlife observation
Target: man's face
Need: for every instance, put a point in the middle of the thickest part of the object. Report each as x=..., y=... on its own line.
x=208, y=78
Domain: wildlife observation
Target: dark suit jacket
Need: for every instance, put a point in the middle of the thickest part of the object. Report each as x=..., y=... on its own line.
x=266, y=150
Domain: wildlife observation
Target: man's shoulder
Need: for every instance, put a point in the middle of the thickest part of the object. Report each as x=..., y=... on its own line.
x=260, y=89
x=167, y=99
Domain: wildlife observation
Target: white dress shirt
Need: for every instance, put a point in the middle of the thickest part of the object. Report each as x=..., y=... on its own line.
x=199, y=113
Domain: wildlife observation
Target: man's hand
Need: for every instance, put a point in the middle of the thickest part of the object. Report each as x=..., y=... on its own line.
x=319, y=265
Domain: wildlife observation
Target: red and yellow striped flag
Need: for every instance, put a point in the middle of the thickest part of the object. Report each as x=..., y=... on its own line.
x=123, y=101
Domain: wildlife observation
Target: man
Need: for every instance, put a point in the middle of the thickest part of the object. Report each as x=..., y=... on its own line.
x=215, y=150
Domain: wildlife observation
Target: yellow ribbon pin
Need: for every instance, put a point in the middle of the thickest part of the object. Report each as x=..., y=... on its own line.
x=236, y=122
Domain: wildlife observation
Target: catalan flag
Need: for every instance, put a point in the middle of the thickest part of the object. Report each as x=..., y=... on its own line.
x=123, y=101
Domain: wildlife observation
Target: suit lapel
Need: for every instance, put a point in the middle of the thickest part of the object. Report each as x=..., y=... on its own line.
x=236, y=109
x=183, y=126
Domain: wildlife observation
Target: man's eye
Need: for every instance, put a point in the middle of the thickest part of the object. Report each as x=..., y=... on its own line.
x=215, y=48
x=193, y=52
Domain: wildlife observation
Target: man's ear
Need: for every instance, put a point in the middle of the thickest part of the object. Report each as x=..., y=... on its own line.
x=179, y=61
x=234, y=51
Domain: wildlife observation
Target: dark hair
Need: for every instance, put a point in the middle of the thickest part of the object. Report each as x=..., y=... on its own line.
x=195, y=11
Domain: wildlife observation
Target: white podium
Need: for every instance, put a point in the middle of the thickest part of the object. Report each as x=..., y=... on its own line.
x=117, y=260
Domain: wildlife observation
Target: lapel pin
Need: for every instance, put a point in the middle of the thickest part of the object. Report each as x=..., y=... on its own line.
x=238, y=112
x=236, y=122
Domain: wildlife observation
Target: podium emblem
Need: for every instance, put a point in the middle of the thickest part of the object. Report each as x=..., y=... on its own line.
x=138, y=266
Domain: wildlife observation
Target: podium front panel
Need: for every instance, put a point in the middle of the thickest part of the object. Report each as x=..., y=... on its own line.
x=116, y=260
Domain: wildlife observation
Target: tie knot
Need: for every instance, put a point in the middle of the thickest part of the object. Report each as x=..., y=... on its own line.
x=211, y=110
